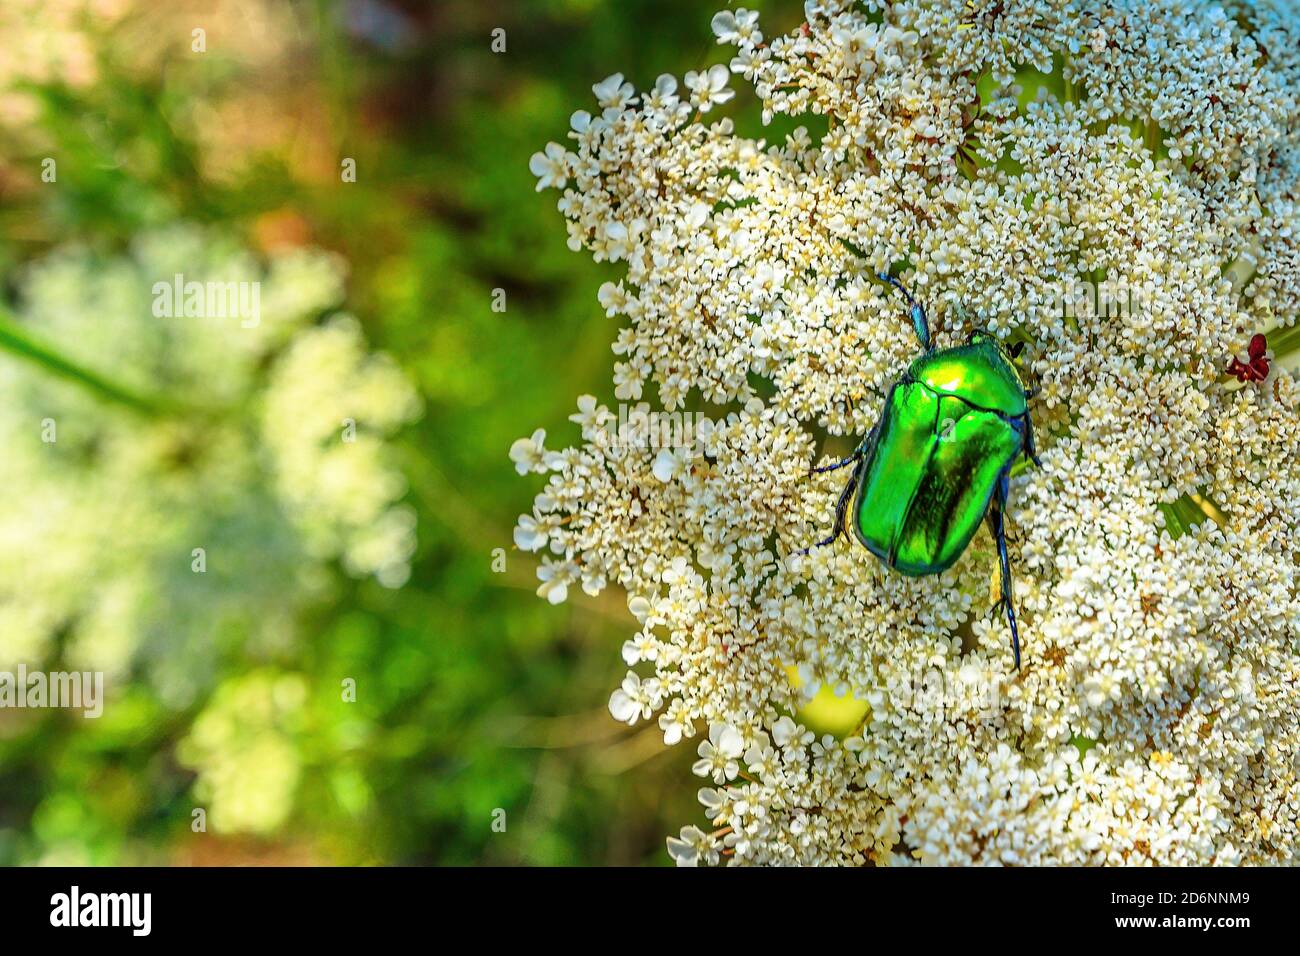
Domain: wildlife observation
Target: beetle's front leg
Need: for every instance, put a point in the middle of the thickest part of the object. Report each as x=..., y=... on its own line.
x=997, y=512
x=916, y=311
x=841, y=507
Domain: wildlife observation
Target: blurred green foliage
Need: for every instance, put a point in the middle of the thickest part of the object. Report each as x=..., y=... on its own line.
x=472, y=694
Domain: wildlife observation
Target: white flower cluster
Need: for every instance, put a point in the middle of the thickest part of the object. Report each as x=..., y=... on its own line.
x=1156, y=718
x=244, y=747
x=155, y=540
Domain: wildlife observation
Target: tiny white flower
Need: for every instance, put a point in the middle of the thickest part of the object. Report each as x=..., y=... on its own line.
x=550, y=167
x=664, y=95
x=635, y=699
x=738, y=27
x=612, y=92
x=612, y=297
x=668, y=465
x=529, y=454
x=719, y=755
x=530, y=534
x=709, y=88
x=556, y=576
x=685, y=850
x=640, y=607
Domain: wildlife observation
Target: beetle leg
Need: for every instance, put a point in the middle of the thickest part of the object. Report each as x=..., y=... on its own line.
x=997, y=510
x=852, y=459
x=841, y=507
x=916, y=311
x=1030, y=451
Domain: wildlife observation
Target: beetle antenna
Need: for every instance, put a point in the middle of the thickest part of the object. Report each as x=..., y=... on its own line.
x=916, y=312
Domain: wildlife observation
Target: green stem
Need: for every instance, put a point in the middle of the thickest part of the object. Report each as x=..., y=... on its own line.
x=1282, y=342
x=18, y=341
x=1067, y=80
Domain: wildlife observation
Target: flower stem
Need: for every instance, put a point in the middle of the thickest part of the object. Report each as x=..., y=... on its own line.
x=19, y=342
x=1284, y=341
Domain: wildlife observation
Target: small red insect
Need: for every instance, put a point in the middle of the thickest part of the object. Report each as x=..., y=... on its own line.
x=1256, y=370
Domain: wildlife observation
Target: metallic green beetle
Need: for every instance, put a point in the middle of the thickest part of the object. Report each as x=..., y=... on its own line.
x=939, y=458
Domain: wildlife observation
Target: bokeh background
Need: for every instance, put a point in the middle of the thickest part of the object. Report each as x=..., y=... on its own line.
x=472, y=694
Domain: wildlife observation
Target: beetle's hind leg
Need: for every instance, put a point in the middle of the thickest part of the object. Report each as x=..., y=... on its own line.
x=1030, y=451
x=997, y=512
x=851, y=460
x=841, y=508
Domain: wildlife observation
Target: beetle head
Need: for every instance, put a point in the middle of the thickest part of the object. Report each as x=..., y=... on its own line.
x=981, y=335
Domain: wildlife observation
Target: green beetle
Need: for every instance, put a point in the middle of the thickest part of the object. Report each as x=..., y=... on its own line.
x=939, y=459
